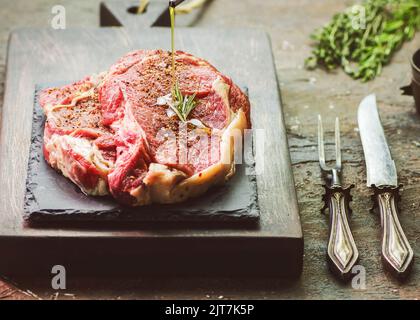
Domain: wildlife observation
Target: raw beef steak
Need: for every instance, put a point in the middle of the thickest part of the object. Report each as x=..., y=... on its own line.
x=117, y=133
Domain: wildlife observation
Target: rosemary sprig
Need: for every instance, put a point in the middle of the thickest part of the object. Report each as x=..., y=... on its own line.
x=182, y=105
x=362, y=51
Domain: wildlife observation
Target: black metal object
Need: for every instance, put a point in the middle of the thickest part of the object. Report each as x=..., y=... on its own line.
x=413, y=89
x=174, y=3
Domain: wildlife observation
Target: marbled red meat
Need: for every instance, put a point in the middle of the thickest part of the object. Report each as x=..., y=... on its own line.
x=112, y=133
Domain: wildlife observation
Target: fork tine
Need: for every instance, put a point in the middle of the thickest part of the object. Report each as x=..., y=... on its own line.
x=321, y=151
x=337, y=144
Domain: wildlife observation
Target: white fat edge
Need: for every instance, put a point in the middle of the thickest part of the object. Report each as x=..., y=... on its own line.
x=226, y=149
x=93, y=131
x=83, y=95
x=160, y=181
x=101, y=188
x=95, y=79
x=224, y=168
x=89, y=151
x=57, y=144
x=222, y=89
x=168, y=172
x=51, y=146
x=50, y=107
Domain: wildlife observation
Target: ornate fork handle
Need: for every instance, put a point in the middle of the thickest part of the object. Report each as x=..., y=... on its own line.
x=397, y=254
x=341, y=251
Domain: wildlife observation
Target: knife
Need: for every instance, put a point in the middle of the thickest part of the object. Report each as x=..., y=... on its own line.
x=397, y=254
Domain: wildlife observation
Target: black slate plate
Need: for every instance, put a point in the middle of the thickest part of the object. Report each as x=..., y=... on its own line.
x=50, y=197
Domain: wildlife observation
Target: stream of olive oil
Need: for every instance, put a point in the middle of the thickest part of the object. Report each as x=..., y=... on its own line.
x=172, y=15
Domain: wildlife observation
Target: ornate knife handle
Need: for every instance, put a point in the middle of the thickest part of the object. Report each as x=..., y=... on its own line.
x=397, y=254
x=342, y=251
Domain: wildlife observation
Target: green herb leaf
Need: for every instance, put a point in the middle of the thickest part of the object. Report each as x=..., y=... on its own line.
x=182, y=105
x=362, y=51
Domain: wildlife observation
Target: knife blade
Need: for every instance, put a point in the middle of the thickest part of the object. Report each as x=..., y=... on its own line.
x=397, y=254
x=381, y=170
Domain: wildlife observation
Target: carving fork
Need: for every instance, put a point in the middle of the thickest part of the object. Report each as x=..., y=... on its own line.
x=342, y=253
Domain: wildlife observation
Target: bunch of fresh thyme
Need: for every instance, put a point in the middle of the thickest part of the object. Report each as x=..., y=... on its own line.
x=364, y=37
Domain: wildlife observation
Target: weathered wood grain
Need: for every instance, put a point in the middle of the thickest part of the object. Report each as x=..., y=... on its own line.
x=307, y=93
x=43, y=55
x=304, y=94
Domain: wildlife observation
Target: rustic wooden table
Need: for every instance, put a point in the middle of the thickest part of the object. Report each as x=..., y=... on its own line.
x=304, y=94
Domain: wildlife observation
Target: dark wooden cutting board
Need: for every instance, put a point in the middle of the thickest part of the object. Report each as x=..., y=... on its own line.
x=273, y=247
